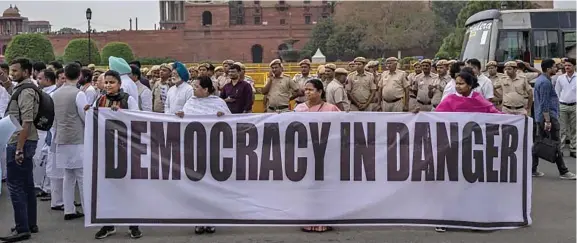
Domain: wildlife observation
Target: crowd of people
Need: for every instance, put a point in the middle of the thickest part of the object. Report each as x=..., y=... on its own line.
x=47, y=165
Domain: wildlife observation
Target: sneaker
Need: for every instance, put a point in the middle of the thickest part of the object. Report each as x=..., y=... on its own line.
x=135, y=233
x=568, y=176
x=440, y=229
x=538, y=174
x=72, y=216
x=33, y=229
x=105, y=232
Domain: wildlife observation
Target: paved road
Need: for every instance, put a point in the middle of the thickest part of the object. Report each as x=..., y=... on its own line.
x=553, y=222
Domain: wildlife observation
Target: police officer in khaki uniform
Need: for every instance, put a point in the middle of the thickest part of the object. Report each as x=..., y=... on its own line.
x=335, y=90
x=361, y=87
x=393, y=88
x=279, y=88
x=441, y=82
x=329, y=74
x=373, y=67
x=496, y=78
x=321, y=72
x=351, y=67
x=524, y=69
x=517, y=92
x=424, y=86
x=301, y=79
x=411, y=79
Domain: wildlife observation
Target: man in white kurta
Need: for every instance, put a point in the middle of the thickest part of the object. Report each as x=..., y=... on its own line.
x=69, y=103
x=177, y=96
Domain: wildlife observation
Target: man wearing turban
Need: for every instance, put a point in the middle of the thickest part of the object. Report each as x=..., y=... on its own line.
x=180, y=91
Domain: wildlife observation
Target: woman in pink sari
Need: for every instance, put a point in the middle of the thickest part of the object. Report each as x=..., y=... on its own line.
x=315, y=95
x=466, y=100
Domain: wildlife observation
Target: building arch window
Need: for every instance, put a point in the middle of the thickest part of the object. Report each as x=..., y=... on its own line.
x=206, y=18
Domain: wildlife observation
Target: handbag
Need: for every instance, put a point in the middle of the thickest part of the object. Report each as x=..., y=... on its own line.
x=547, y=148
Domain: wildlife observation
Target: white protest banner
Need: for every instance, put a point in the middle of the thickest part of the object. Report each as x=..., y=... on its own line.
x=437, y=169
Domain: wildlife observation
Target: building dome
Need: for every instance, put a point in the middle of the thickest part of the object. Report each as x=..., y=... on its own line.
x=11, y=12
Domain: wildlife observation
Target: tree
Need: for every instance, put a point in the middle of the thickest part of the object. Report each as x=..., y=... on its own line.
x=391, y=25
x=322, y=31
x=35, y=47
x=77, y=50
x=117, y=49
x=448, y=11
x=67, y=30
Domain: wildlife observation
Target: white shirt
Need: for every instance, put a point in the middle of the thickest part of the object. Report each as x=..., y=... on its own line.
x=4, y=100
x=146, y=99
x=485, y=87
x=129, y=87
x=566, y=87
x=132, y=104
x=91, y=94
x=49, y=89
x=177, y=97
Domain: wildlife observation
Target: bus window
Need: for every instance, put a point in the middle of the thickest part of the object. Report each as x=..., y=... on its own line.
x=546, y=44
x=569, y=43
x=476, y=42
x=513, y=45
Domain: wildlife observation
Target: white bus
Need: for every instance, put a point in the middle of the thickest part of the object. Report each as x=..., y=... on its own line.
x=530, y=35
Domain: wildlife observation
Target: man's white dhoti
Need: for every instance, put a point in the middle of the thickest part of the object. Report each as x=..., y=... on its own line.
x=40, y=179
x=69, y=158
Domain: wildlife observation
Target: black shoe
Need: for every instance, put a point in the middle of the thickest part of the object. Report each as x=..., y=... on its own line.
x=58, y=208
x=572, y=154
x=210, y=229
x=45, y=198
x=77, y=204
x=199, y=230
x=135, y=232
x=3, y=180
x=73, y=216
x=105, y=232
x=16, y=237
x=42, y=194
x=33, y=229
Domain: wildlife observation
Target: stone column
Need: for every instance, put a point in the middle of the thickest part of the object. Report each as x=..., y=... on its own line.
x=161, y=7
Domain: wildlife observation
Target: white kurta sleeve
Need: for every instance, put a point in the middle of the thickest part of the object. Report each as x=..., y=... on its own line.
x=132, y=104
x=449, y=89
x=488, y=90
x=146, y=100
x=169, y=94
x=4, y=100
x=80, y=104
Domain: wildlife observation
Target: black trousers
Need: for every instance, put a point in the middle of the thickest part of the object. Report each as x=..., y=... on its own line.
x=554, y=133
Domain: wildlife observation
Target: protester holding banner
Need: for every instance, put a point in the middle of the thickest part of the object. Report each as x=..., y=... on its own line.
x=116, y=99
x=466, y=100
x=315, y=94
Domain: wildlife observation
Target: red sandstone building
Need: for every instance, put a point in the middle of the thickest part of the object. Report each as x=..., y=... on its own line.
x=191, y=31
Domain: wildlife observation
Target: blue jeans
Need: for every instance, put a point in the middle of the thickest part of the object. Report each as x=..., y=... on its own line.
x=21, y=186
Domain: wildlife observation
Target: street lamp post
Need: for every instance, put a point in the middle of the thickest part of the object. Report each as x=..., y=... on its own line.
x=89, y=17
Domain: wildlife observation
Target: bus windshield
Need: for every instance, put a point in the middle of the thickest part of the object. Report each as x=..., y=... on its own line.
x=477, y=41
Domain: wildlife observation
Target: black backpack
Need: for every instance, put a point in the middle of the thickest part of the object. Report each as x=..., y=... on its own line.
x=45, y=116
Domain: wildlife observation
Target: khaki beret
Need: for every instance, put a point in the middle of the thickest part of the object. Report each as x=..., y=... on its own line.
x=512, y=64
x=275, y=61
x=426, y=61
x=341, y=71
x=352, y=63
x=451, y=62
x=442, y=62
x=321, y=69
x=143, y=70
x=155, y=68
x=167, y=66
x=416, y=64
x=204, y=65
x=305, y=61
x=360, y=59
x=331, y=66
x=193, y=68
x=100, y=70
x=242, y=67
x=392, y=59
x=229, y=62
x=91, y=66
x=373, y=64
x=219, y=68
x=491, y=63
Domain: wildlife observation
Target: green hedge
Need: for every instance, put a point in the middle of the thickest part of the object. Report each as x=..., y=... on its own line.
x=77, y=50
x=117, y=49
x=35, y=47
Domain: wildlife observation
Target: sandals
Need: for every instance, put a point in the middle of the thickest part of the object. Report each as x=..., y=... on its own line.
x=204, y=229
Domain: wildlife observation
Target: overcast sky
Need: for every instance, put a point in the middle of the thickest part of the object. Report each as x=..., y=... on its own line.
x=106, y=15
